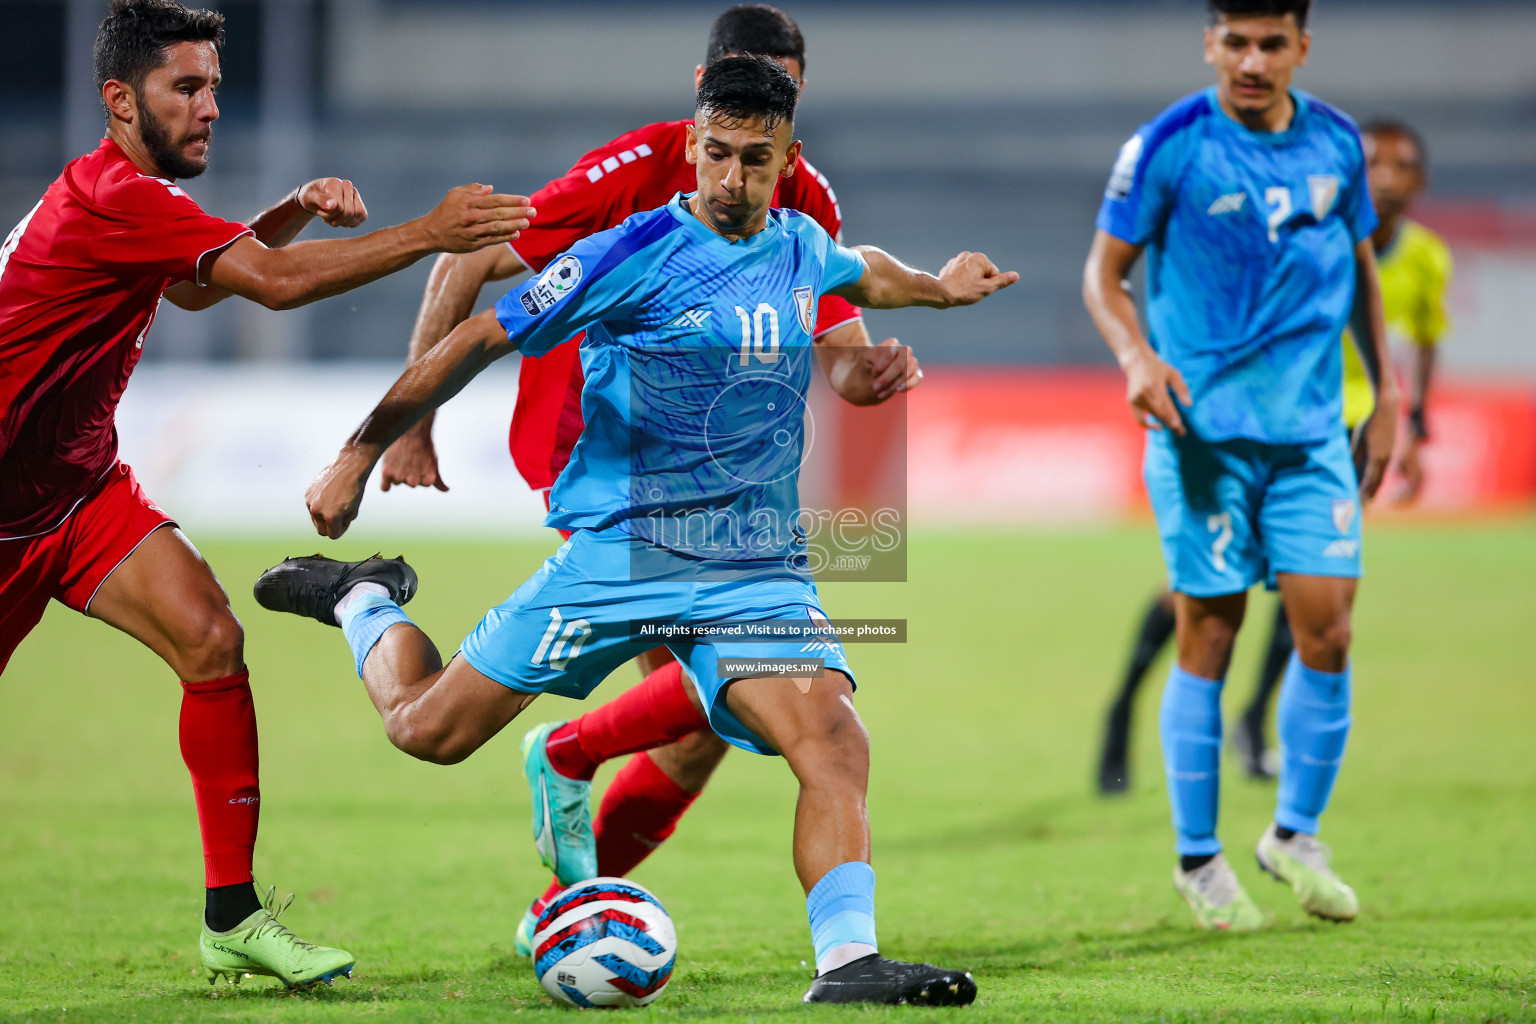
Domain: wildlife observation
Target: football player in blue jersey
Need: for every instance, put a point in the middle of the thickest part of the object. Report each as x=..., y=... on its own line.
x=1251, y=203
x=682, y=497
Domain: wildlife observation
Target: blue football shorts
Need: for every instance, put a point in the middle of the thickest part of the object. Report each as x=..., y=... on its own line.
x=575, y=621
x=1235, y=513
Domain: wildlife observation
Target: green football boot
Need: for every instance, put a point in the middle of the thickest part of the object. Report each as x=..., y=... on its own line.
x=1302, y=863
x=260, y=945
x=562, y=813
x=522, y=942
x=1217, y=897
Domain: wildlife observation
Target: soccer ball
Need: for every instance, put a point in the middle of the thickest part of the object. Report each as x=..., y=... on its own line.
x=604, y=942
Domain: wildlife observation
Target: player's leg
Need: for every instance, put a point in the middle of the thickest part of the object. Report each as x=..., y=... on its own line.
x=813, y=724
x=1190, y=727
x=164, y=595
x=1157, y=624
x=1314, y=721
x=1311, y=525
x=435, y=714
x=1204, y=496
x=1249, y=730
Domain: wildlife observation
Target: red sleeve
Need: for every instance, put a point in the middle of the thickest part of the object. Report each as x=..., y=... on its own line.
x=151, y=225
x=812, y=195
x=636, y=171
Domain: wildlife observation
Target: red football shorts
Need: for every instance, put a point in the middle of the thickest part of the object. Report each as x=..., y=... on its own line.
x=69, y=563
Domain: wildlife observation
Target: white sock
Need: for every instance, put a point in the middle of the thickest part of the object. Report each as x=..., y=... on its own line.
x=357, y=591
x=847, y=953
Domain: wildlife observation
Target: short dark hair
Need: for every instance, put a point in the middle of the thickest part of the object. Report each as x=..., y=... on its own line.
x=748, y=86
x=1392, y=126
x=132, y=40
x=755, y=28
x=1241, y=8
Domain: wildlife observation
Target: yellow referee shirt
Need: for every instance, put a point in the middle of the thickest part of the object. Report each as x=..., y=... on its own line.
x=1414, y=270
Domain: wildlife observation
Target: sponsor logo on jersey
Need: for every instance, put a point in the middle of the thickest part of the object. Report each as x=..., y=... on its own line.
x=1343, y=513
x=559, y=279
x=1230, y=203
x=1342, y=549
x=805, y=305
x=691, y=318
x=1124, y=174
x=1324, y=189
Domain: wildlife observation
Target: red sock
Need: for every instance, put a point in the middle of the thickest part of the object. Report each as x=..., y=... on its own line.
x=657, y=711
x=218, y=743
x=639, y=811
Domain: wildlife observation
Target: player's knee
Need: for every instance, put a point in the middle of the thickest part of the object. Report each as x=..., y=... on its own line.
x=833, y=749
x=425, y=740
x=700, y=750
x=210, y=644
x=1326, y=642
x=690, y=761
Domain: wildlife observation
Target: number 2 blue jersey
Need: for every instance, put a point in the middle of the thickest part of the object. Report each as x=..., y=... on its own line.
x=697, y=359
x=1250, y=242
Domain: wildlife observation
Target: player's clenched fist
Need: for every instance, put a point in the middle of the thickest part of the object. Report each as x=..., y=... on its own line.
x=335, y=496
x=472, y=217
x=971, y=277
x=333, y=200
x=412, y=461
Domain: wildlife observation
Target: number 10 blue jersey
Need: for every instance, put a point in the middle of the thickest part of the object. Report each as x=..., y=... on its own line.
x=697, y=359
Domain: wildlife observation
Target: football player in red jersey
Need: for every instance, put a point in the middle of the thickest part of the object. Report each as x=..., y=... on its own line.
x=80, y=279
x=673, y=750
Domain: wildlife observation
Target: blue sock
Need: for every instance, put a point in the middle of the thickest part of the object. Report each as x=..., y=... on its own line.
x=1190, y=724
x=1313, y=720
x=365, y=621
x=842, y=908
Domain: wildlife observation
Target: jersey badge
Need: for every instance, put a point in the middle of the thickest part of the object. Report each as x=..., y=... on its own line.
x=1343, y=513
x=1325, y=190
x=805, y=305
x=1230, y=203
x=559, y=279
x=1124, y=174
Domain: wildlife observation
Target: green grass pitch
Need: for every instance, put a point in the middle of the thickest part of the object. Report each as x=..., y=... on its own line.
x=991, y=850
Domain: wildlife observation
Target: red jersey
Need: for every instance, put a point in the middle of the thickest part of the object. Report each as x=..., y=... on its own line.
x=80, y=279
x=638, y=171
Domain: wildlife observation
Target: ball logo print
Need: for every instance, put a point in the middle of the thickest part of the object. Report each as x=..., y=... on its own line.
x=563, y=275
x=602, y=943
x=559, y=279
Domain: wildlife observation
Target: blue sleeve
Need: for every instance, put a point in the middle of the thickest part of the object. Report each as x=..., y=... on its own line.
x=843, y=267
x=1355, y=203
x=840, y=266
x=1142, y=186
x=601, y=277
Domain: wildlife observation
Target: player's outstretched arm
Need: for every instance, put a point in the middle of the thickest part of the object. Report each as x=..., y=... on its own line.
x=1149, y=381
x=337, y=493
x=450, y=296
x=865, y=374
x=887, y=283
x=334, y=200
x=1369, y=325
x=470, y=217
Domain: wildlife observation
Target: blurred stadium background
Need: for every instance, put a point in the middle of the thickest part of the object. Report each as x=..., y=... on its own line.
x=979, y=125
